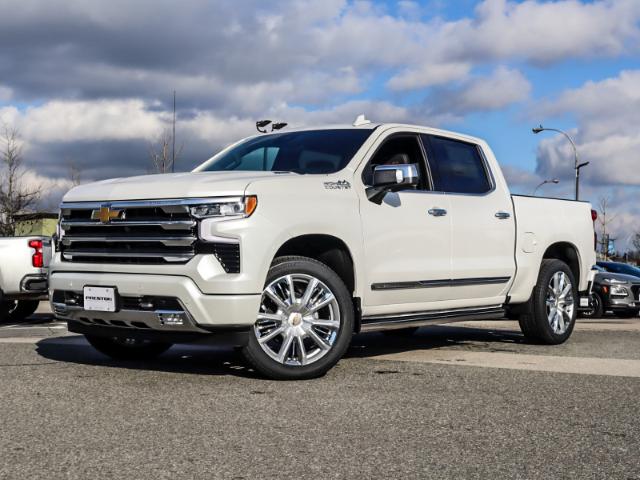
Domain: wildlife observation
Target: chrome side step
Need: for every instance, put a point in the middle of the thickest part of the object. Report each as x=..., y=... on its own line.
x=434, y=317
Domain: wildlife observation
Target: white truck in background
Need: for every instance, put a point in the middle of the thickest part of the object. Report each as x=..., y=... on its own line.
x=288, y=243
x=23, y=275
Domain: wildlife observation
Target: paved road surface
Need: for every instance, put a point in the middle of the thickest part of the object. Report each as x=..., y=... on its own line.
x=453, y=402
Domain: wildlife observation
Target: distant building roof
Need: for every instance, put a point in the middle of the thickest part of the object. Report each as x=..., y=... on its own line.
x=34, y=216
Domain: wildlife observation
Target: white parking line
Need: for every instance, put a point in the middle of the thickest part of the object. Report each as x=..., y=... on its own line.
x=600, y=325
x=517, y=361
x=22, y=339
x=32, y=327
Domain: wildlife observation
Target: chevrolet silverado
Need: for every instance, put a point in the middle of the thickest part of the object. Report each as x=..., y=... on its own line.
x=286, y=244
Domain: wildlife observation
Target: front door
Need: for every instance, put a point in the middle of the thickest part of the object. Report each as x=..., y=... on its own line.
x=407, y=238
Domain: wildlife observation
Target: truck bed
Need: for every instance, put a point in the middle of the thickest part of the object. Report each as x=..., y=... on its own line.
x=550, y=221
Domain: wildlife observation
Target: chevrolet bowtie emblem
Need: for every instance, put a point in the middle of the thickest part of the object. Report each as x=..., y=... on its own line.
x=106, y=214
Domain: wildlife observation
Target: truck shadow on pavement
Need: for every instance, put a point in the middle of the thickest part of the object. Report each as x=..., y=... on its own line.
x=224, y=360
x=182, y=358
x=371, y=345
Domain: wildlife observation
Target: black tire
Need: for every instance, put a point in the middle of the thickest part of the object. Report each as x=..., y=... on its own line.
x=626, y=313
x=533, y=320
x=401, y=332
x=17, y=310
x=121, y=348
x=597, y=311
x=5, y=308
x=267, y=366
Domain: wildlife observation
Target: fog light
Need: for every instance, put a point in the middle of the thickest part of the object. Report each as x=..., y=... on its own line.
x=171, y=318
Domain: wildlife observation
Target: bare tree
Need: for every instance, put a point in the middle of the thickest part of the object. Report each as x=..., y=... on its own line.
x=161, y=151
x=16, y=196
x=75, y=172
x=636, y=244
x=604, y=219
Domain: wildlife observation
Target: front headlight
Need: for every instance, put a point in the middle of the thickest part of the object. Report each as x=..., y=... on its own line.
x=619, y=291
x=615, y=281
x=226, y=208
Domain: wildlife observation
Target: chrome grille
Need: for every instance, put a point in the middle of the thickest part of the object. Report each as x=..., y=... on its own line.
x=144, y=232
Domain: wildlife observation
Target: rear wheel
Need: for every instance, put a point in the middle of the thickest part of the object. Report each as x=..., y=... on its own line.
x=122, y=348
x=550, y=314
x=305, y=321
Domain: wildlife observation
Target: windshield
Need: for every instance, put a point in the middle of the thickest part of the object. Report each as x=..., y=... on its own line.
x=621, y=268
x=313, y=151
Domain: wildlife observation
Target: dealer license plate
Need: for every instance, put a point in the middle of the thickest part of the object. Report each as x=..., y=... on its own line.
x=100, y=299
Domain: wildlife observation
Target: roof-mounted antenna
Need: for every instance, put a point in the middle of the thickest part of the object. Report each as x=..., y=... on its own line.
x=361, y=120
x=260, y=124
x=278, y=125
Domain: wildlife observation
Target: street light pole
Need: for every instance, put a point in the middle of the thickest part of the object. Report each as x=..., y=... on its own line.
x=577, y=166
x=553, y=180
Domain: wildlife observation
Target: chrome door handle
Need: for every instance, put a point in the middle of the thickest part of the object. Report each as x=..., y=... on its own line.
x=437, y=212
x=503, y=215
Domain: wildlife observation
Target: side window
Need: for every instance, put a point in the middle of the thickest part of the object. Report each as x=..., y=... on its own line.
x=398, y=150
x=456, y=167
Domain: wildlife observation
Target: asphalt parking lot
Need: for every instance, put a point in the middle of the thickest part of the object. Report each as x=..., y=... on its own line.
x=463, y=401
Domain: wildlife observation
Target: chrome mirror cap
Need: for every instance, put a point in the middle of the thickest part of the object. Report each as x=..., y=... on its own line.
x=395, y=175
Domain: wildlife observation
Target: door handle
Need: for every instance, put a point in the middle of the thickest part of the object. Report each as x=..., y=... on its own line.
x=437, y=212
x=503, y=215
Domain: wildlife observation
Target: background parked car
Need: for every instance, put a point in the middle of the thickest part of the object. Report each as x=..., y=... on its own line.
x=616, y=267
x=24, y=271
x=615, y=292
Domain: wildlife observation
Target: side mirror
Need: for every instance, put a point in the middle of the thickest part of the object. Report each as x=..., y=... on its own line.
x=391, y=178
x=395, y=175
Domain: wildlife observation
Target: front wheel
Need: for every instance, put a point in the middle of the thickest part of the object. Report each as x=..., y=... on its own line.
x=17, y=310
x=305, y=321
x=597, y=308
x=121, y=348
x=550, y=314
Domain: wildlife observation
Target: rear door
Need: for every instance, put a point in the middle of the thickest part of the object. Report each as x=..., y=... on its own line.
x=482, y=221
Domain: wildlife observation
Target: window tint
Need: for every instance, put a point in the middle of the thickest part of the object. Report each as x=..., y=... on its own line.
x=400, y=150
x=311, y=151
x=456, y=167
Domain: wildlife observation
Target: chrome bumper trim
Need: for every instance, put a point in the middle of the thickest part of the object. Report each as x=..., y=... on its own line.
x=134, y=319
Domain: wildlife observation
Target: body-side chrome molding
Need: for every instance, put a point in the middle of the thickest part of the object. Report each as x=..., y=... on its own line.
x=457, y=282
x=434, y=317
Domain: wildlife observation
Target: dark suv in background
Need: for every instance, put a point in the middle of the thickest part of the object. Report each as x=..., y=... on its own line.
x=616, y=288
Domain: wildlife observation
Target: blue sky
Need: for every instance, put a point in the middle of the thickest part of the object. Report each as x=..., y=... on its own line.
x=89, y=83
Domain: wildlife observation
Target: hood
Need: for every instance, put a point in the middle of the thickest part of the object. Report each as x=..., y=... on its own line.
x=172, y=185
x=618, y=276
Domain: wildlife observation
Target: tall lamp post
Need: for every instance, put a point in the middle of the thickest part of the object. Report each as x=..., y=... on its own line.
x=577, y=166
x=553, y=180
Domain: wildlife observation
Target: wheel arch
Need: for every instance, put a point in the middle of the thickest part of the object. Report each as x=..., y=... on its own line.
x=566, y=252
x=328, y=249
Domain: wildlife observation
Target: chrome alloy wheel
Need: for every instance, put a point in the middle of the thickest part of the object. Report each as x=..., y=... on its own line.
x=560, y=303
x=299, y=320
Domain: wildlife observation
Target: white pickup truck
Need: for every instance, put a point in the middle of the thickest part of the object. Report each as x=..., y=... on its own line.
x=23, y=275
x=288, y=243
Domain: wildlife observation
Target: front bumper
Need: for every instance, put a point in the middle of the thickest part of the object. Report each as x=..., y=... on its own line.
x=203, y=312
x=619, y=302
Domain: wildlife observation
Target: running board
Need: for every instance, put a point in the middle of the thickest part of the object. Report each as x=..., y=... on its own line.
x=434, y=317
